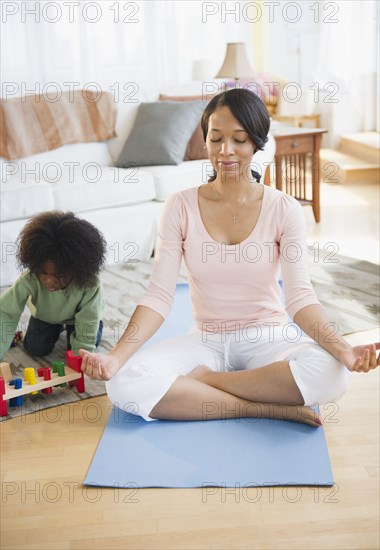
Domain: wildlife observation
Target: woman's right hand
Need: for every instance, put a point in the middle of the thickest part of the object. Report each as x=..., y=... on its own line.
x=98, y=366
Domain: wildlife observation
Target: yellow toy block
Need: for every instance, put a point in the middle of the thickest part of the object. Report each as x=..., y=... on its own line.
x=30, y=377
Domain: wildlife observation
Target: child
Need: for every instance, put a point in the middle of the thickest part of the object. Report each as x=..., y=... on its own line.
x=63, y=256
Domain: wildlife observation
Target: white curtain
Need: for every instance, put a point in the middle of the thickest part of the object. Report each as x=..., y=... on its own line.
x=347, y=68
x=113, y=43
x=149, y=44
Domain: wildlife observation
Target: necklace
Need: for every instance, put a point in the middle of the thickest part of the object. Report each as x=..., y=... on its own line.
x=234, y=214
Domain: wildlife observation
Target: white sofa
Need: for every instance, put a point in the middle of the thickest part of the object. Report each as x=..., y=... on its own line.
x=124, y=204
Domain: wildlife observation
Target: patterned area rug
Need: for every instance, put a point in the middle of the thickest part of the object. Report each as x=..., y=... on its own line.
x=347, y=288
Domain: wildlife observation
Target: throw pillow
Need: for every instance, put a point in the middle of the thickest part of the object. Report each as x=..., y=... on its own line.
x=37, y=123
x=160, y=133
x=195, y=148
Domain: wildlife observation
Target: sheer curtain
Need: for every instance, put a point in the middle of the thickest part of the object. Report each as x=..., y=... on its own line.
x=111, y=43
x=347, y=69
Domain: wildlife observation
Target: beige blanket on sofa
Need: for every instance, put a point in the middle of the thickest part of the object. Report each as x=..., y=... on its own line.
x=36, y=123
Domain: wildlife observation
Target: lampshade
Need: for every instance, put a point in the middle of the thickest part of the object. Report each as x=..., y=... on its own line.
x=235, y=64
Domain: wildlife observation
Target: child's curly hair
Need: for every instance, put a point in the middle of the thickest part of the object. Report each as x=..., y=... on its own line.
x=74, y=245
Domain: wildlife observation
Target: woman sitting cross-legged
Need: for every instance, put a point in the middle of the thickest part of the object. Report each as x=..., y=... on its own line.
x=238, y=237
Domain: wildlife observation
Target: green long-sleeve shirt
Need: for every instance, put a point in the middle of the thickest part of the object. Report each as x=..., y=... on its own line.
x=82, y=308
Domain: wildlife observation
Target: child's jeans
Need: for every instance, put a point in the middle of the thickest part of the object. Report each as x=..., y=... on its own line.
x=41, y=337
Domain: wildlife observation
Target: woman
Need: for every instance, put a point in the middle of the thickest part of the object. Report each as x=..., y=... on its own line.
x=237, y=237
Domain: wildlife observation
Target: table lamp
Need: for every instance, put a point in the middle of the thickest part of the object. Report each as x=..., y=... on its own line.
x=235, y=64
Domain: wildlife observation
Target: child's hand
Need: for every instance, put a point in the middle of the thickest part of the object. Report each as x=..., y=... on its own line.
x=98, y=366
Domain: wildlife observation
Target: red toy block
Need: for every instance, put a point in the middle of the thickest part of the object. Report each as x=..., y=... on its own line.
x=75, y=362
x=3, y=403
x=47, y=376
x=40, y=372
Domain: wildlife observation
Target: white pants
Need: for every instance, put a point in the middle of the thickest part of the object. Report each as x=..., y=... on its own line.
x=145, y=378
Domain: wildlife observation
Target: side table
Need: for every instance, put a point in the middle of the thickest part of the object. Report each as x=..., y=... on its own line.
x=292, y=147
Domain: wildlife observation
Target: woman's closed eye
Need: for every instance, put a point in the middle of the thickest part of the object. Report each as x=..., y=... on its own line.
x=217, y=140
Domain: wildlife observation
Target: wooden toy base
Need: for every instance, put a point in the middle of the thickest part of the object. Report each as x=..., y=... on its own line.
x=73, y=376
x=56, y=380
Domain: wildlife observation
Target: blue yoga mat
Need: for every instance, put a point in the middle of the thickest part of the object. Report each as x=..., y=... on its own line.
x=225, y=453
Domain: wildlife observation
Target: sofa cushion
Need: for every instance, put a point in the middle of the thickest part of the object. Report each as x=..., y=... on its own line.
x=170, y=179
x=160, y=133
x=130, y=231
x=103, y=187
x=24, y=198
x=49, y=165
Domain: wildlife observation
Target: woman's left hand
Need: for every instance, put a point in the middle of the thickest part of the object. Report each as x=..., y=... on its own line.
x=361, y=358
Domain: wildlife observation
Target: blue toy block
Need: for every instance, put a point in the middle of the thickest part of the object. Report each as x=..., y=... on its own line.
x=16, y=401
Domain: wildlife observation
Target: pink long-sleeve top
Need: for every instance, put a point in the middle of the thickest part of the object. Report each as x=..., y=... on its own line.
x=233, y=287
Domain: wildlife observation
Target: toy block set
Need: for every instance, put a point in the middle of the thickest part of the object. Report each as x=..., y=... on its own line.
x=13, y=389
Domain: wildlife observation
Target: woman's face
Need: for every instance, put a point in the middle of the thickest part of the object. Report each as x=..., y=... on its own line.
x=229, y=147
x=51, y=278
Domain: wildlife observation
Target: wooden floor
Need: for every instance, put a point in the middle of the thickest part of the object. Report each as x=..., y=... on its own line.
x=45, y=457
x=349, y=219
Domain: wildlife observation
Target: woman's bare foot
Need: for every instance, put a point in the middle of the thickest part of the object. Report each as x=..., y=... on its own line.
x=293, y=413
x=297, y=413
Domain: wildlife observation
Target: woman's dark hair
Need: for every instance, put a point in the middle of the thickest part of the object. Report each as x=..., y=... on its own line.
x=74, y=245
x=249, y=110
